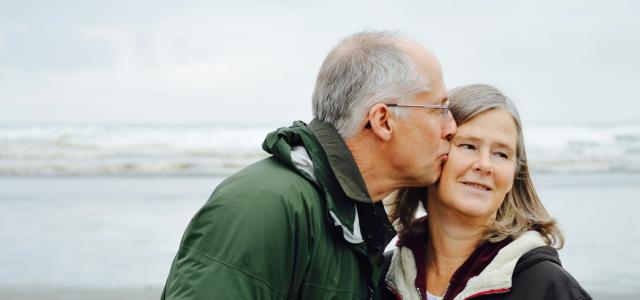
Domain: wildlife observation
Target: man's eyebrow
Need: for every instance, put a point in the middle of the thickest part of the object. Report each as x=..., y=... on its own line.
x=444, y=101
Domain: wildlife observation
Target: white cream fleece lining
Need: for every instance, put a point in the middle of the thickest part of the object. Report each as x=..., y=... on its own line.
x=497, y=275
x=402, y=273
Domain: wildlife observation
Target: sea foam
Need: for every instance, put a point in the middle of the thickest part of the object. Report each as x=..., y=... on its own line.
x=190, y=150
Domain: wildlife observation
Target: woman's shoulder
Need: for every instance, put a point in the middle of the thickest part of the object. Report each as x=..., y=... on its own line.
x=540, y=272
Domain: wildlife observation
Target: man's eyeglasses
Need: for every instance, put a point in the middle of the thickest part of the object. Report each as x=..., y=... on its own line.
x=443, y=107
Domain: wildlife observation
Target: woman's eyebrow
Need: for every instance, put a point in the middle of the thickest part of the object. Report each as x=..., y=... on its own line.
x=504, y=145
x=479, y=140
x=460, y=136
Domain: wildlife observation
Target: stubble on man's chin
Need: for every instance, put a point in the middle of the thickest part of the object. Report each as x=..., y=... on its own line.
x=438, y=174
x=432, y=177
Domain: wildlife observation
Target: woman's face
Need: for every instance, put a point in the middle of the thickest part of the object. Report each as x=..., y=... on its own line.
x=481, y=166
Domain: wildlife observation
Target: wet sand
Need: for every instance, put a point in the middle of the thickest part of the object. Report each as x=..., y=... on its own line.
x=115, y=237
x=150, y=293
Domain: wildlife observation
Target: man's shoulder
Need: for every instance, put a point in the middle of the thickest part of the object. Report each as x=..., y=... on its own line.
x=267, y=179
x=266, y=172
x=260, y=199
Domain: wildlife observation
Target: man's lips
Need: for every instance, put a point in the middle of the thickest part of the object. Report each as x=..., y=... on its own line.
x=443, y=159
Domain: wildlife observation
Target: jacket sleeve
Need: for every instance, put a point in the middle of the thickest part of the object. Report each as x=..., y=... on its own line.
x=243, y=244
x=547, y=280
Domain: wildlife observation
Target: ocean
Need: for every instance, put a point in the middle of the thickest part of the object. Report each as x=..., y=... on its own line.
x=219, y=150
x=103, y=207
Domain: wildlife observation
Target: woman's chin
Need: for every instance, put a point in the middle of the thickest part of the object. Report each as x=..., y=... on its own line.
x=475, y=212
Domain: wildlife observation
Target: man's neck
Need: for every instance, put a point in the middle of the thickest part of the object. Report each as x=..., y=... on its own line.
x=372, y=168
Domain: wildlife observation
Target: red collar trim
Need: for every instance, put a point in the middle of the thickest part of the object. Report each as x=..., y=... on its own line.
x=474, y=264
x=489, y=292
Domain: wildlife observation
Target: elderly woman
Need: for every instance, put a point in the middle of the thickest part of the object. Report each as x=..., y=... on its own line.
x=486, y=234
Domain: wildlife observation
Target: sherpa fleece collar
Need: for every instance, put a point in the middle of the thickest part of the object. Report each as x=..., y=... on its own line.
x=496, y=277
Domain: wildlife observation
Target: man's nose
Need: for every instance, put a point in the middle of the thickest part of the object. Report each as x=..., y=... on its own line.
x=449, y=127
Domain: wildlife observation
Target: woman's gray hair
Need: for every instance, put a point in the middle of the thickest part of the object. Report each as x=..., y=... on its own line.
x=521, y=209
x=362, y=70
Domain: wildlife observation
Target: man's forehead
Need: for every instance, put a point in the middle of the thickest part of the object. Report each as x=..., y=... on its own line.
x=427, y=63
x=425, y=60
x=439, y=94
x=432, y=97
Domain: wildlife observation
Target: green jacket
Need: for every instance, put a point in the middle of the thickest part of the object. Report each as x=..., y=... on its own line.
x=297, y=225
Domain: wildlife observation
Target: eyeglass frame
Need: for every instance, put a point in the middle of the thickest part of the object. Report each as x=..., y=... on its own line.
x=444, y=107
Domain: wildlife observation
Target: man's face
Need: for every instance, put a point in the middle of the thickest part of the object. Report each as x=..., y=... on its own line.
x=423, y=139
x=423, y=135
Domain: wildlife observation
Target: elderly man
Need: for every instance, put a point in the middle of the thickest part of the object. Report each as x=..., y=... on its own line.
x=308, y=222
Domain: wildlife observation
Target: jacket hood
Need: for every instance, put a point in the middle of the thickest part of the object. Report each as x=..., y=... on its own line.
x=536, y=256
x=317, y=152
x=323, y=142
x=297, y=140
x=280, y=142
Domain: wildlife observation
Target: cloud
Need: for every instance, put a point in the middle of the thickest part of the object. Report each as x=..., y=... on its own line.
x=249, y=60
x=41, y=48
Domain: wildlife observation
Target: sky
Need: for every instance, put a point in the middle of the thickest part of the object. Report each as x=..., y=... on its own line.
x=563, y=62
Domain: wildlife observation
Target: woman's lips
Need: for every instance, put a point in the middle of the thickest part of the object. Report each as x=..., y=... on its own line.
x=476, y=185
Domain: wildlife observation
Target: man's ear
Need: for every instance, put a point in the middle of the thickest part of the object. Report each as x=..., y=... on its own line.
x=381, y=121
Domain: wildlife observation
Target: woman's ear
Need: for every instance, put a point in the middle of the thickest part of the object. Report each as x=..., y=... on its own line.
x=381, y=122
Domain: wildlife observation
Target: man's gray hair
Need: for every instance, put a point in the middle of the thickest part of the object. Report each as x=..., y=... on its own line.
x=362, y=70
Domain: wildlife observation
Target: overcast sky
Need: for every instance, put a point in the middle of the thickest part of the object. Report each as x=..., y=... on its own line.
x=246, y=62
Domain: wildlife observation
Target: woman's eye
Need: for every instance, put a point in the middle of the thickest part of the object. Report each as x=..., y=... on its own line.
x=502, y=155
x=467, y=146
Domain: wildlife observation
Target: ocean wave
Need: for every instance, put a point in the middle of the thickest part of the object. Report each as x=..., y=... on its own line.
x=191, y=150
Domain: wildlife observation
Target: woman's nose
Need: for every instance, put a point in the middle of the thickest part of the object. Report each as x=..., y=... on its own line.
x=483, y=164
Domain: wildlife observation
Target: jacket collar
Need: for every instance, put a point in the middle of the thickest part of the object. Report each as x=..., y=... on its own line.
x=495, y=278
x=326, y=161
x=363, y=222
x=341, y=161
x=334, y=170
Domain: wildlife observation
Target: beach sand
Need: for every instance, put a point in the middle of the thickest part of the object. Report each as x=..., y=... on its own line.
x=115, y=237
x=58, y=293
x=149, y=293
x=53, y=293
